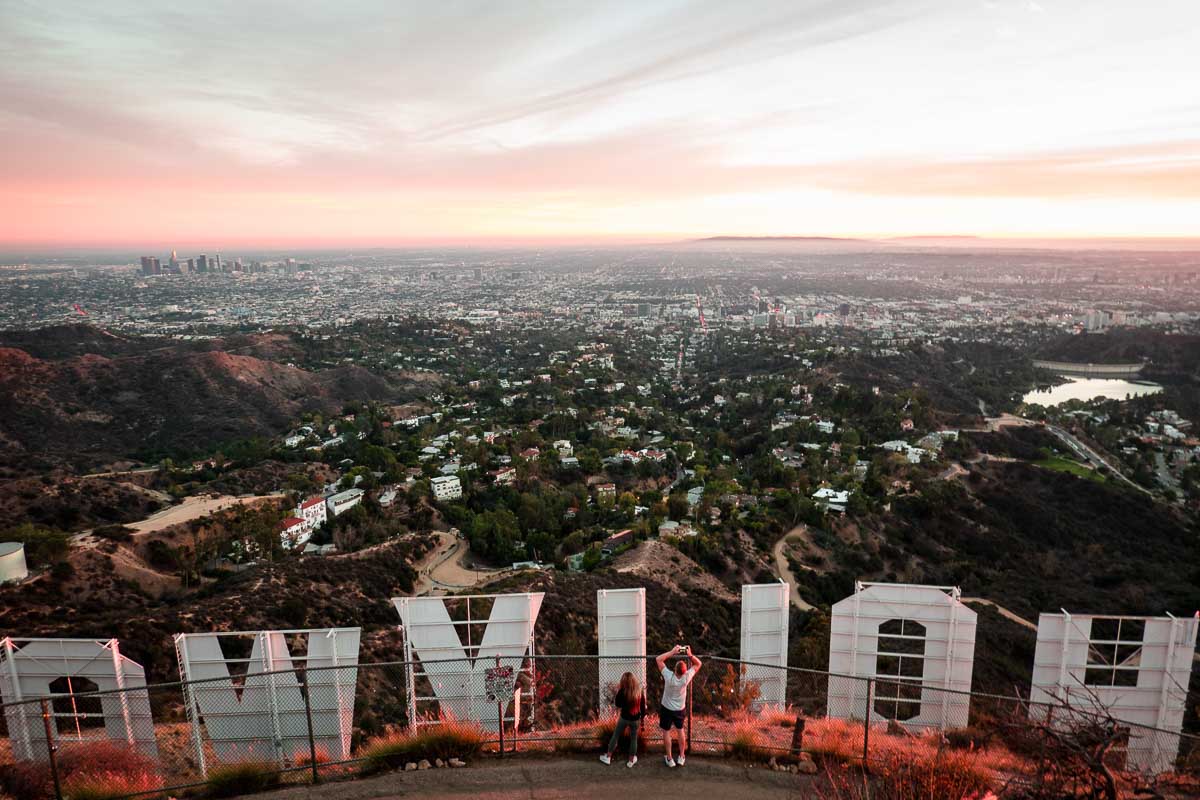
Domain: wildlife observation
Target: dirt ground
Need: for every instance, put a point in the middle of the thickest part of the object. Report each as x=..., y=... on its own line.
x=450, y=570
x=566, y=779
x=192, y=508
x=662, y=562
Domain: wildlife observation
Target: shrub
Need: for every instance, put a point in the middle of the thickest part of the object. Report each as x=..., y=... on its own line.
x=241, y=777
x=98, y=768
x=968, y=738
x=734, y=691
x=446, y=740
x=746, y=743
x=27, y=779
x=839, y=740
x=110, y=786
x=918, y=774
x=578, y=738
x=305, y=759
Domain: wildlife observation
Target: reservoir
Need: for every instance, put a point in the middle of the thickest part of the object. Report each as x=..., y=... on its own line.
x=1090, y=389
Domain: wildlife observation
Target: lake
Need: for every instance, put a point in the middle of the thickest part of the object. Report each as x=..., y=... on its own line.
x=1090, y=389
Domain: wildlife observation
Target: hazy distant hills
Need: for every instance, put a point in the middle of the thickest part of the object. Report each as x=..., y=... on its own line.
x=901, y=243
x=80, y=397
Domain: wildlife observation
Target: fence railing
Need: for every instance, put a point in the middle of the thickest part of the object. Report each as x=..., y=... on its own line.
x=305, y=725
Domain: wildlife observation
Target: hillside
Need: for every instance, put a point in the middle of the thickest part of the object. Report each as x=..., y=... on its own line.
x=89, y=409
x=337, y=591
x=1029, y=538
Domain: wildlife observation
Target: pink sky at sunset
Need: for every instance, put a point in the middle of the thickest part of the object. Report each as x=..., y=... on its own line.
x=385, y=123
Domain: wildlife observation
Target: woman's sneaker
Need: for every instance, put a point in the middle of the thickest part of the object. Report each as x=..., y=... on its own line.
x=606, y=759
x=669, y=762
x=681, y=760
x=631, y=762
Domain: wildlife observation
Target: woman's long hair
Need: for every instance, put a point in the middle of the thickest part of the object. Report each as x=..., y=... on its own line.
x=628, y=687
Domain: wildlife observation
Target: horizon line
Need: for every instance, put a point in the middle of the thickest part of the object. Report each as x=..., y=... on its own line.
x=333, y=244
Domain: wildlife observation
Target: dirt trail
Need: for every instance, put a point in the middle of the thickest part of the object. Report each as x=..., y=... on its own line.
x=446, y=547
x=193, y=508
x=447, y=569
x=1004, y=612
x=784, y=569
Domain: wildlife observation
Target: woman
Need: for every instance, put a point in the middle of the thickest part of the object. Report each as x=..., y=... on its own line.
x=631, y=703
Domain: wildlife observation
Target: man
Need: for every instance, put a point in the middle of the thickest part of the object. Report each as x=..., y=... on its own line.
x=672, y=712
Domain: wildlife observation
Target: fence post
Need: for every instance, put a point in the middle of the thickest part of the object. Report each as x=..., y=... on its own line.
x=500, y=713
x=312, y=743
x=689, y=720
x=51, y=747
x=867, y=722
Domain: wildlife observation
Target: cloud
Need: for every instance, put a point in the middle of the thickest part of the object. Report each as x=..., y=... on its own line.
x=227, y=112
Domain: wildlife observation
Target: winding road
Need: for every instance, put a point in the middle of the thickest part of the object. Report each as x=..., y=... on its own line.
x=785, y=571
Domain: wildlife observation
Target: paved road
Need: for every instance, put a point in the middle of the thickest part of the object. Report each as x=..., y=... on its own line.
x=1072, y=442
x=569, y=778
x=1092, y=457
x=1165, y=477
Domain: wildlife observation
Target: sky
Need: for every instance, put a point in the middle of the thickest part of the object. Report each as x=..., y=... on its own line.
x=383, y=122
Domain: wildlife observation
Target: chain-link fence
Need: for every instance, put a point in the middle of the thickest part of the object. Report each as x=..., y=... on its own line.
x=265, y=729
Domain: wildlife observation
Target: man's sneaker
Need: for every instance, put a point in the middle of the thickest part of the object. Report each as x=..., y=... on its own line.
x=669, y=762
x=631, y=762
x=681, y=760
x=606, y=759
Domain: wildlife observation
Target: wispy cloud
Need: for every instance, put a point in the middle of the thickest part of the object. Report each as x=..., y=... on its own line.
x=566, y=114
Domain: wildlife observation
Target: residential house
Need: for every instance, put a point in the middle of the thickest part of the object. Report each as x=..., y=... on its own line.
x=343, y=501
x=832, y=499
x=293, y=532
x=313, y=511
x=503, y=476
x=446, y=487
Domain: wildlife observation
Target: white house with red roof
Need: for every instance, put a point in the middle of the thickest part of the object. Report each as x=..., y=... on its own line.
x=313, y=511
x=294, y=532
x=504, y=476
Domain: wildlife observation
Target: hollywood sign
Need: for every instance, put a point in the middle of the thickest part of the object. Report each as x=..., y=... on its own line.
x=898, y=652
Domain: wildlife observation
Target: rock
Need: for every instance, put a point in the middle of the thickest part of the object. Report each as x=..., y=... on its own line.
x=792, y=769
x=457, y=762
x=439, y=763
x=410, y=767
x=806, y=768
x=424, y=764
x=773, y=764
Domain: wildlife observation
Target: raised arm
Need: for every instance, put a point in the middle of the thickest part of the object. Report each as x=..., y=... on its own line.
x=696, y=663
x=661, y=661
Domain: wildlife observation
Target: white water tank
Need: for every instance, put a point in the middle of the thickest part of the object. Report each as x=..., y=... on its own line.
x=12, y=562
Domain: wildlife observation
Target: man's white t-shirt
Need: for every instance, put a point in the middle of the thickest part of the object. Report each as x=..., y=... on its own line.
x=675, y=688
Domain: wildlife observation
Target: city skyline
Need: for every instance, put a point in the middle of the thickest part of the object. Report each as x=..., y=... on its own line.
x=229, y=125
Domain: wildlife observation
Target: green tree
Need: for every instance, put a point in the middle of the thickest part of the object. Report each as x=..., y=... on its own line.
x=42, y=545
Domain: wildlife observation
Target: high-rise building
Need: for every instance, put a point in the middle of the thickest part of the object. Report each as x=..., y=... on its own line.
x=174, y=261
x=148, y=265
x=478, y=273
x=219, y=268
x=202, y=263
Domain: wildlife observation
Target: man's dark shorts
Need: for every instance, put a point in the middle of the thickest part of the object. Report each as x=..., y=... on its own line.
x=668, y=719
